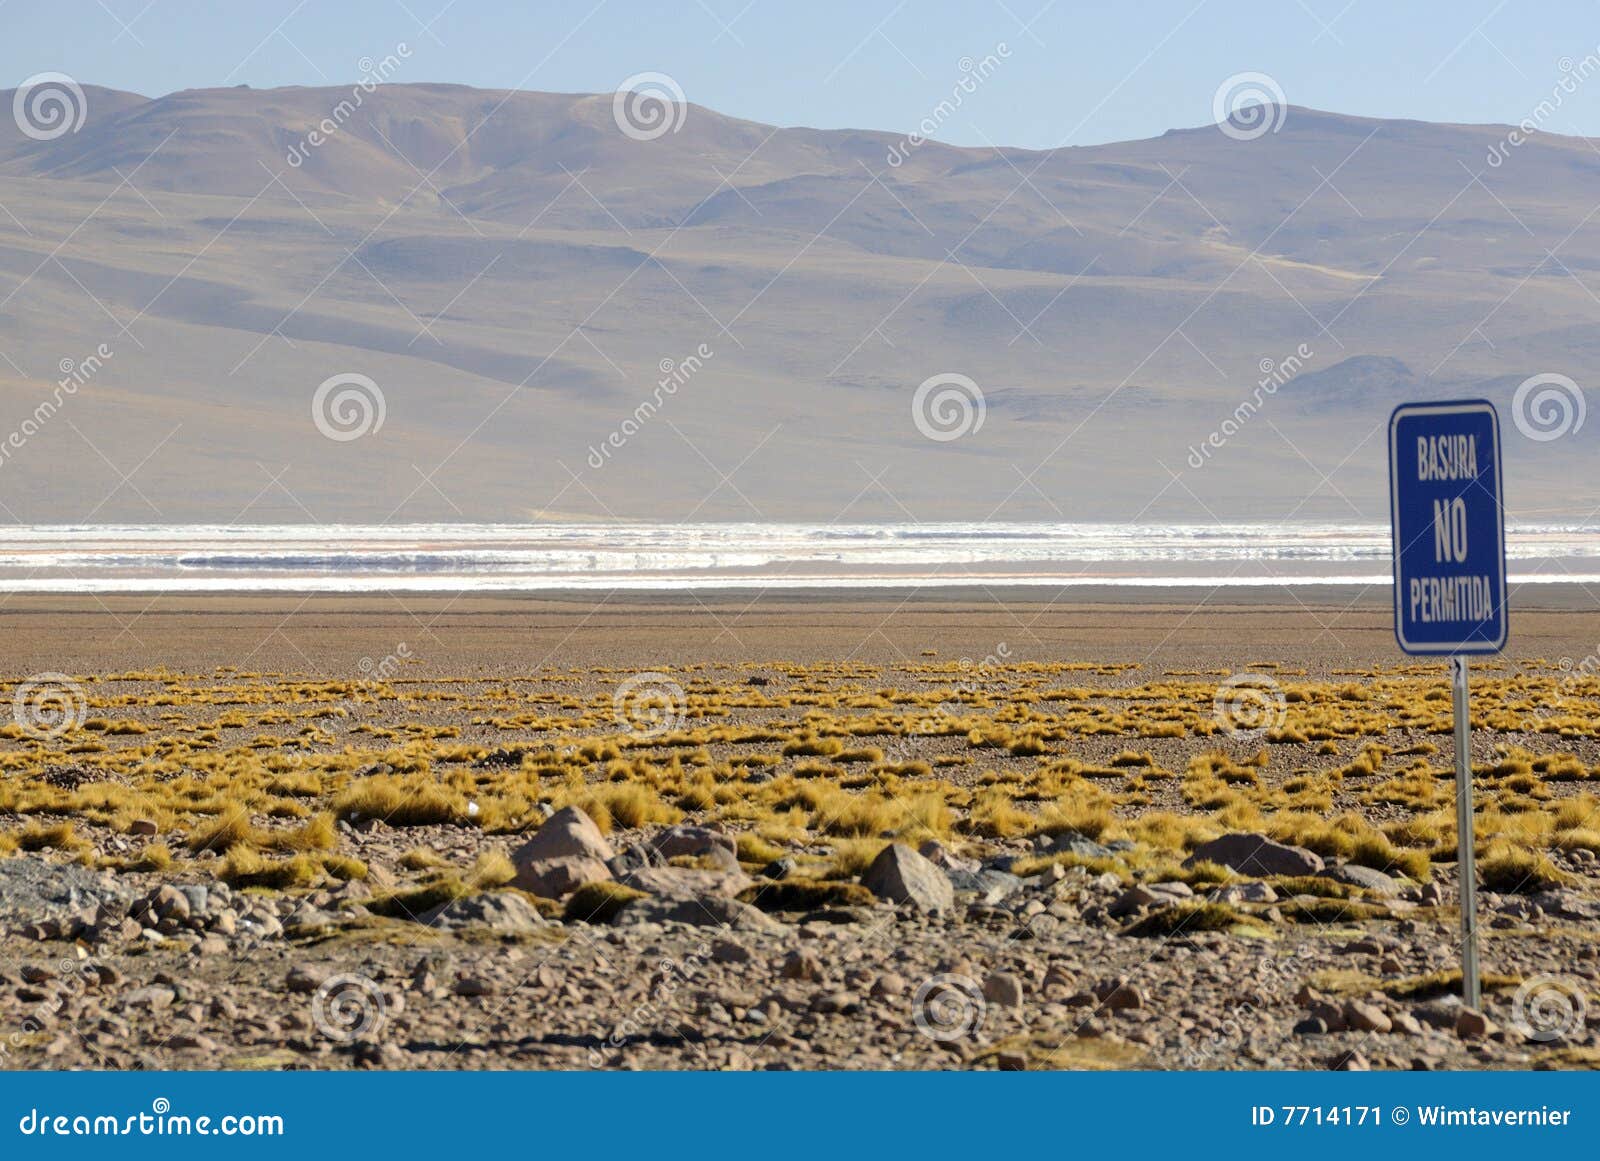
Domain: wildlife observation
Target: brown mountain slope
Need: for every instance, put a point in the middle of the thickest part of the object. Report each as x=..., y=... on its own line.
x=513, y=271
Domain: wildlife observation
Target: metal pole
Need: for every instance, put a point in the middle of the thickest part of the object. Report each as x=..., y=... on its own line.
x=1465, y=868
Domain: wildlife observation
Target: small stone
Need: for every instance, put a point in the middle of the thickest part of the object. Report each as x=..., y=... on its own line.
x=901, y=875
x=1118, y=995
x=1011, y=1062
x=1311, y=1026
x=801, y=965
x=143, y=827
x=305, y=978
x=728, y=951
x=1003, y=989
x=890, y=984
x=474, y=986
x=1472, y=1024
x=1365, y=1017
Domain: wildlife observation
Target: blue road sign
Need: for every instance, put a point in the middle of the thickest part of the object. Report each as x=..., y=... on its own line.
x=1448, y=522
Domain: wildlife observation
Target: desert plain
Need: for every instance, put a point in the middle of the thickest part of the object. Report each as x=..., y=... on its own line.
x=896, y=830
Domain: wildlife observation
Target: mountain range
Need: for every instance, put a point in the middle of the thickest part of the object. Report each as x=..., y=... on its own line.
x=531, y=307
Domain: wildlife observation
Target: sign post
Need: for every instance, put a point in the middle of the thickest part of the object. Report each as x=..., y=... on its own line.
x=1447, y=516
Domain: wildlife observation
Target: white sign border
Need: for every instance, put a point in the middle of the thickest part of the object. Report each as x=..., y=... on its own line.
x=1453, y=407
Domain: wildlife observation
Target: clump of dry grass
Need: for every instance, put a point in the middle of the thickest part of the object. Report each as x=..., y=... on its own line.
x=1510, y=869
x=599, y=903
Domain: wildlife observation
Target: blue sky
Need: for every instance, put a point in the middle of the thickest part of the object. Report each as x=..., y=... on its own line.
x=1073, y=73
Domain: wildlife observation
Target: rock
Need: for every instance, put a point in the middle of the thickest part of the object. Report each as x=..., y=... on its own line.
x=1311, y=1026
x=143, y=827
x=901, y=875
x=1118, y=995
x=801, y=965
x=1365, y=1017
x=1331, y=1015
x=989, y=886
x=197, y=1042
x=692, y=840
x=305, y=978
x=198, y=897
x=1472, y=1024
x=1256, y=854
x=1256, y=892
x=473, y=986
x=1351, y=1061
x=685, y=883
x=1365, y=877
x=941, y=856
x=778, y=868
x=829, y=1003
x=557, y=877
x=703, y=911
x=1072, y=843
x=153, y=997
x=502, y=912
x=727, y=951
x=569, y=833
x=1003, y=989
x=1011, y=1062
x=1567, y=904
x=636, y=857
x=1406, y=1024
x=890, y=984
x=1148, y=895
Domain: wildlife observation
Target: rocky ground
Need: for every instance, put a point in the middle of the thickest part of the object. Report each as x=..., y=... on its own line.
x=553, y=943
